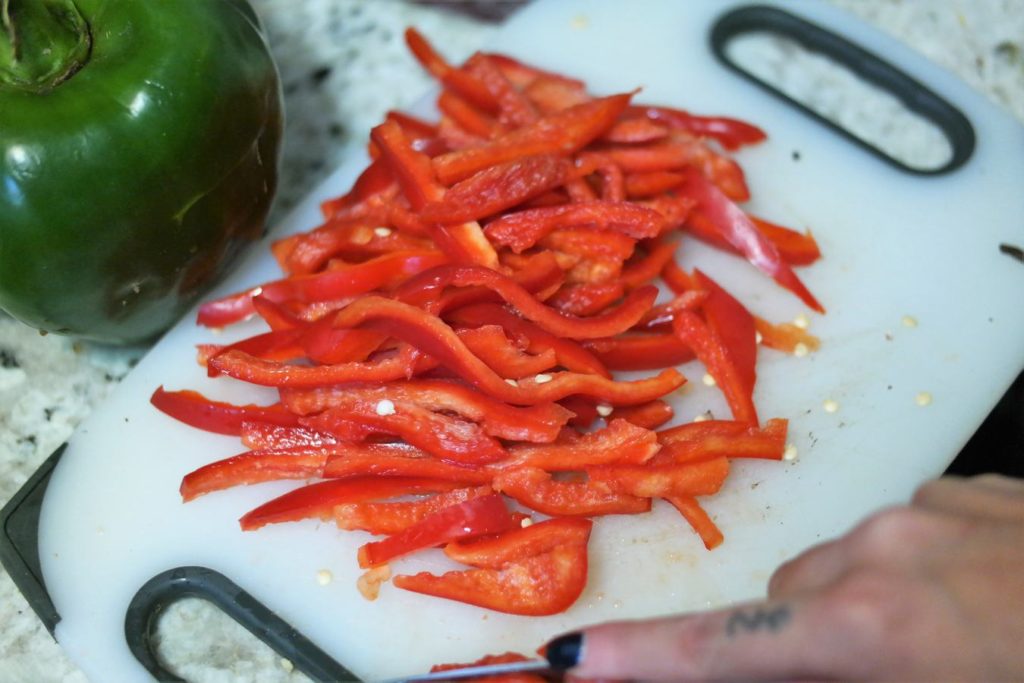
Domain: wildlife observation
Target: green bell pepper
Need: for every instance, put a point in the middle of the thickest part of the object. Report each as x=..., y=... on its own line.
x=139, y=145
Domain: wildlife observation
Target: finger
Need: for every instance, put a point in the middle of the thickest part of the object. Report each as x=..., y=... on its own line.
x=758, y=641
x=989, y=497
x=812, y=570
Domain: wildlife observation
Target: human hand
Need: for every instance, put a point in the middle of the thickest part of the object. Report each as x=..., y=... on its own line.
x=933, y=590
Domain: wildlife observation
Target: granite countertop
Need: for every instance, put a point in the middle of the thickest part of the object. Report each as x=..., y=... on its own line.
x=343, y=64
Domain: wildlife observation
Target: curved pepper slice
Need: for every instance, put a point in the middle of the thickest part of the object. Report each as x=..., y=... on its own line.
x=620, y=441
x=660, y=480
x=474, y=517
x=259, y=435
x=730, y=133
x=738, y=230
x=698, y=519
x=522, y=229
x=461, y=82
x=537, y=490
x=253, y=467
x=649, y=415
x=586, y=299
x=514, y=108
x=650, y=266
x=640, y=351
x=561, y=132
x=317, y=501
x=536, y=586
x=731, y=323
x=538, y=423
x=415, y=463
x=383, y=518
x=447, y=438
x=716, y=438
x=495, y=552
x=489, y=344
x=218, y=417
x=624, y=316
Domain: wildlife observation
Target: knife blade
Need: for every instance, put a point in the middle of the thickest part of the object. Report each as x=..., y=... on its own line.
x=535, y=666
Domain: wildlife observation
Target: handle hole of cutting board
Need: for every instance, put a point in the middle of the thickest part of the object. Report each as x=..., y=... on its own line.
x=888, y=113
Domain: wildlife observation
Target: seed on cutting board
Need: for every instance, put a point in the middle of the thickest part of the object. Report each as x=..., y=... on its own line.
x=830, y=405
x=324, y=577
x=287, y=665
x=758, y=337
x=800, y=350
x=802, y=321
x=923, y=398
x=604, y=410
x=385, y=407
x=708, y=380
x=790, y=453
x=909, y=321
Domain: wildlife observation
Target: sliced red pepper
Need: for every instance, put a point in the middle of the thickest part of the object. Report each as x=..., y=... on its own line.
x=717, y=438
x=413, y=127
x=593, y=257
x=468, y=117
x=731, y=323
x=785, y=336
x=737, y=229
x=584, y=411
x=657, y=480
x=675, y=209
x=475, y=517
x=376, y=178
x=259, y=435
x=317, y=501
x=253, y=467
x=218, y=417
x=714, y=355
x=562, y=132
x=586, y=299
x=619, y=442
x=397, y=460
x=730, y=133
x=448, y=438
x=645, y=269
x=651, y=183
x=460, y=81
x=537, y=490
x=497, y=188
x=649, y=415
x=522, y=229
x=383, y=518
x=515, y=109
x=325, y=344
x=538, y=423
x=279, y=345
x=569, y=353
x=489, y=344
x=698, y=519
x=515, y=545
x=544, y=584
x=640, y=351
x=798, y=249
x=504, y=658
x=522, y=74
x=634, y=130
x=552, y=94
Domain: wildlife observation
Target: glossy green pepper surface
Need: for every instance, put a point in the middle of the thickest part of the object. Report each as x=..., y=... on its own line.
x=139, y=144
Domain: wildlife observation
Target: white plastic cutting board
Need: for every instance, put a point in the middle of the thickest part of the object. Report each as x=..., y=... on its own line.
x=894, y=245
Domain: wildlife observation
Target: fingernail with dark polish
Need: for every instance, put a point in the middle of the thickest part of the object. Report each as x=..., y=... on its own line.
x=564, y=652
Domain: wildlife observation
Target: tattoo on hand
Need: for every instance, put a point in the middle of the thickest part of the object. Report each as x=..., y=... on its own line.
x=755, y=619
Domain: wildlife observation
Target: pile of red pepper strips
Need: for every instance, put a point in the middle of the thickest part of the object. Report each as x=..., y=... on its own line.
x=446, y=338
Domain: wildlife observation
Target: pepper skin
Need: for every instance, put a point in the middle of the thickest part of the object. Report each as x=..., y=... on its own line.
x=131, y=178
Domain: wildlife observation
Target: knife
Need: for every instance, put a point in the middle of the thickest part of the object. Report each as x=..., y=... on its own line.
x=539, y=667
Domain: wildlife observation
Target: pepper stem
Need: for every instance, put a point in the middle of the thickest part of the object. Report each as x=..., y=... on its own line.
x=43, y=43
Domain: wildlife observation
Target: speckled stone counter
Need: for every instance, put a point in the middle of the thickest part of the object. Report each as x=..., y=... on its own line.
x=343, y=64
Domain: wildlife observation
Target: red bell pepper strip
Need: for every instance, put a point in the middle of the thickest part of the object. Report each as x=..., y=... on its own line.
x=497, y=188
x=523, y=229
x=414, y=128
x=317, y=501
x=515, y=545
x=253, y=467
x=218, y=417
x=447, y=438
x=651, y=183
x=504, y=658
x=698, y=519
x=538, y=423
x=383, y=518
x=624, y=316
x=731, y=323
x=522, y=74
x=593, y=257
x=515, y=109
x=640, y=351
x=730, y=133
x=675, y=209
x=259, y=435
x=656, y=480
x=475, y=517
x=544, y=584
x=413, y=463
x=279, y=345
x=737, y=228
x=336, y=283
x=562, y=132
x=716, y=359
x=489, y=344
x=556, y=94
x=619, y=442
x=570, y=354
x=584, y=411
x=635, y=129
x=586, y=299
x=798, y=249
x=466, y=116
x=645, y=269
x=679, y=153
x=716, y=438
x=649, y=415
x=535, y=488
x=376, y=178
x=460, y=81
